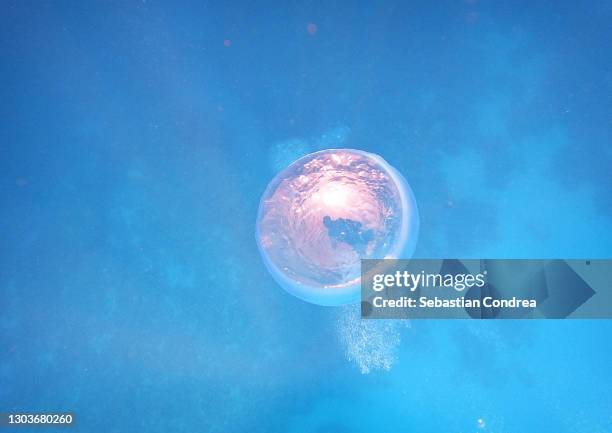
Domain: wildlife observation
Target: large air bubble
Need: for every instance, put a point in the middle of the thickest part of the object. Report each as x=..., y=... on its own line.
x=324, y=213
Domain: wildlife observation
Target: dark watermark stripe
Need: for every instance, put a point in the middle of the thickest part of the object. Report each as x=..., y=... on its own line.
x=486, y=289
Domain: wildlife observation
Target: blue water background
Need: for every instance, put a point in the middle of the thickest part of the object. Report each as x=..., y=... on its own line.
x=136, y=139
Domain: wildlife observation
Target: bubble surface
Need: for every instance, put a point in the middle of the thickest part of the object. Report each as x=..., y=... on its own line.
x=325, y=212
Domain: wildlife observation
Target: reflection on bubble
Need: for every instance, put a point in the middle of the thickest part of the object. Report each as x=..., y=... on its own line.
x=371, y=344
x=324, y=213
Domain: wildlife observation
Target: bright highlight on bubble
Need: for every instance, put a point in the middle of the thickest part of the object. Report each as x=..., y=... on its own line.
x=325, y=212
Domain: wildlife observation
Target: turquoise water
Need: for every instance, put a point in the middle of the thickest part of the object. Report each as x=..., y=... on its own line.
x=138, y=137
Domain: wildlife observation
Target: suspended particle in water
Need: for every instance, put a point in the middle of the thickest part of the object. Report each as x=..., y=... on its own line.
x=312, y=29
x=283, y=153
x=324, y=213
x=333, y=138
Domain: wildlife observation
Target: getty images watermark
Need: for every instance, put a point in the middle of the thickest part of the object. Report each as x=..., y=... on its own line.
x=491, y=289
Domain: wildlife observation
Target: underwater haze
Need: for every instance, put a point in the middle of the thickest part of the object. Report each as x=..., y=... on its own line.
x=137, y=138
